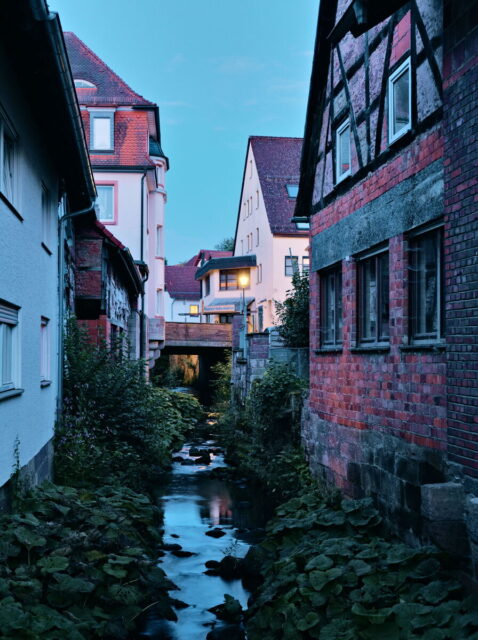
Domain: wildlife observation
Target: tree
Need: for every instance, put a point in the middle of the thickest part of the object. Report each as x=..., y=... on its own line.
x=227, y=244
x=293, y=313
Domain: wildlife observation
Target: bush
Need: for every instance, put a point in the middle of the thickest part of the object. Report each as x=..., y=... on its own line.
x=79, y=564
x=221, y=382
x=293, y=313
x=115, y=427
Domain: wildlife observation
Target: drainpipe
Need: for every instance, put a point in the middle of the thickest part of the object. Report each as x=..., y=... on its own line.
x=61, y=289
x=142, y=324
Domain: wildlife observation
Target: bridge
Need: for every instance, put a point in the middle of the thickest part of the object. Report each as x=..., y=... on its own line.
x=207, y=341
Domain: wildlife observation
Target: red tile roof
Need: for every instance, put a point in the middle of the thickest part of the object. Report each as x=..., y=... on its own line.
x=207, y=254
x=109, y=89
x=278, y=164
x=180, y=283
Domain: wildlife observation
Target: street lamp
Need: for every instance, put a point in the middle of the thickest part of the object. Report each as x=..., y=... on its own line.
x=243, y=281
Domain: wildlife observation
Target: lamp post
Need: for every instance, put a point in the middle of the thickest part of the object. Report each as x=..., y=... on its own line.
x=243, y=281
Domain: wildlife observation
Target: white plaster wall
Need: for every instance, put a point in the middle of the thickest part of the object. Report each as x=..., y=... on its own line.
x=29, y=279
x=269, y=251
x=175, y=310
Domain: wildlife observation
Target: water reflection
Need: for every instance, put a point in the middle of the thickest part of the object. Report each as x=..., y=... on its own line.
x=194, y=502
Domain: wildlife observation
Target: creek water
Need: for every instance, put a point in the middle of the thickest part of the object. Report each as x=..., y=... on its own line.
x=194, y=502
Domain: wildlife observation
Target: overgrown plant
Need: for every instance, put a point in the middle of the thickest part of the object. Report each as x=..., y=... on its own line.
x=293, y=313
x=221, y=382
x=115, y=426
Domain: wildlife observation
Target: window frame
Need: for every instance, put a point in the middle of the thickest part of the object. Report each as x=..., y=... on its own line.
x=9, y=318
x=45, y=351
x=305, y=265
x=114, y=201
x=394, y=76
x=290, y=267
x=415, y=337
x=378, y=339
x=337, y=305
x=207, y=286
x=338, y=132
x=7, y=131
x=292, y=190
x=102, y=115
x=191, y=307
x=47, y=218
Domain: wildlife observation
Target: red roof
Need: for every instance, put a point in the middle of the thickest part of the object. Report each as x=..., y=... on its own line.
x=207, y=254
x=109, y=88
x=180, y=283
x=278, y=164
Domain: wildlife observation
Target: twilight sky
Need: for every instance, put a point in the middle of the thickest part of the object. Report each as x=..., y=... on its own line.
x=220, y=70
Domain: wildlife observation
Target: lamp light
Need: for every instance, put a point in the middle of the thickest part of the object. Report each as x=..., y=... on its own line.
x=243, y=280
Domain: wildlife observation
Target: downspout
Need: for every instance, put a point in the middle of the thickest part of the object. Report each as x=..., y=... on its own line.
x=142, y=324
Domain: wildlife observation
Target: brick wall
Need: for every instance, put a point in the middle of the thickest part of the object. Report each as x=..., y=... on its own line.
x=461, y=220
x=196, y=332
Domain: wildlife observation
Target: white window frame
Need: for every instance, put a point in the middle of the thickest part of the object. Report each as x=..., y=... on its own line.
x=45, y=351
x=159, y=241
x=338, y=157
x=9, y=320
x=257, y=236
x=7, y=131
x=47, y=217
x=403, y=68
x=111, y=220
x=105, y=115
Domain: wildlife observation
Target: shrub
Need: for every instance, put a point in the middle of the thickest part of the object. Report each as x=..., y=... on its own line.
x=221, y=382
x=293, y=313
x=115, y=426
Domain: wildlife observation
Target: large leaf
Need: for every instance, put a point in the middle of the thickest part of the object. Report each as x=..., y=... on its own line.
x=52, y=564
x=29, y=538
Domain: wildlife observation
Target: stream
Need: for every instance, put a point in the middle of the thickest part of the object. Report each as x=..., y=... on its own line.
x=194, y=502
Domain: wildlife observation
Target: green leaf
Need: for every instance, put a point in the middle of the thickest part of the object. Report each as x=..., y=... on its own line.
x=29, y=538
x=310, y=620
x=438, y=590
x=360, y=567
x=374, y=616
x=116, y=572
x=52, y=564
x=425, y=569
x=319, y=562
x=73, y=585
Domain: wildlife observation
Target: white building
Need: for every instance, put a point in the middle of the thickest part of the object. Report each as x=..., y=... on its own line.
x=43, y=162
x=182, y=293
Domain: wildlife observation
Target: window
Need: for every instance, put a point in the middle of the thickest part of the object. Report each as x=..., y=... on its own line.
x=105, y=202
x=331, y=306
x=399, y=102
x=260, y=319
x=257, y=199
x=373, y=283
x=305, y=264
x=159, y=302
x=45, y=359
x=292, y=190
x=291, y=265
x=7, y=162
x=426, y=303
x=101, y=131
x=225, y=318
x=46, y=215
x=302, y=226
x=207, y=286
x=250, y=168
x=83, y=84
x=257, y=236
x=194, y=309
x=8, y=347
x=228, y=280
x=342, y=150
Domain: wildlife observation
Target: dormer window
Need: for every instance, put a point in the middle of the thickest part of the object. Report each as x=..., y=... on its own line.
x=342, y=139
x=399, y=102
x=101, y=130
x=292, y=190
x=83, y=84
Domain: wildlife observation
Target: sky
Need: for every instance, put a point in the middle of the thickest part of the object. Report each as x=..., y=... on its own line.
x=220, y=71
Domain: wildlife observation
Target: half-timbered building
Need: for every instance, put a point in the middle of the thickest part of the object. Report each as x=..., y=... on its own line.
x=388, y=184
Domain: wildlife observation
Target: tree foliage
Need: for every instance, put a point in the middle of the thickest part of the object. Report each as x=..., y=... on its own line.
x=293, y=313
x=226, y=244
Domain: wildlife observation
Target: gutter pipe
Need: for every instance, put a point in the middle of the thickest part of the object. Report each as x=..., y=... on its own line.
x=142, y=324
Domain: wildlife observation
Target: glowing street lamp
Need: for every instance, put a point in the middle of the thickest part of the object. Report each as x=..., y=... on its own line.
x=243, y=281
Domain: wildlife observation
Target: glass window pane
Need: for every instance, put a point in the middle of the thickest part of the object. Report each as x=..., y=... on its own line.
x=401, y=102
x=369, y=300
x=101, y=133
x=344, y=151
x=424, y=281
x=384, y=310
x=338, y=308
x=8, y=167
x=7, y=354
x=105, y=202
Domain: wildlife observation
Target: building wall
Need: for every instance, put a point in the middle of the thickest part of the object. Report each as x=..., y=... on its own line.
x=178, y=310
x=216, y=293
x=269, y=283
x=29, y=279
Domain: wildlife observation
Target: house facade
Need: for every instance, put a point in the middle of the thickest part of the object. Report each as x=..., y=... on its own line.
x=124, y=140
x=44, y=176
x=182, y=293
x=388, y=184
x=264, y=228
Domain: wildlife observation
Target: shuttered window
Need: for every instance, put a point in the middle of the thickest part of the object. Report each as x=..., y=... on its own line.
x=8, y=364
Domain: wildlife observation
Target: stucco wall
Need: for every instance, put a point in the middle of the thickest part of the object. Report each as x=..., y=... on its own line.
x=29, y=279
x=176, y=310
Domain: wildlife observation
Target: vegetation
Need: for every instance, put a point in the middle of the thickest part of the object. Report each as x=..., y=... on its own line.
x=116, y=427
x=221, y=382
x=227, y=244
x=330, y=574
x=263, y=439
x=293, y=313
x=80, y=564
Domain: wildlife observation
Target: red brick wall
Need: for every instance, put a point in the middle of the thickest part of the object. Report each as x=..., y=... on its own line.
x=98, y=330
x=400, y=393
x=461, y=224
x=197, y=332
